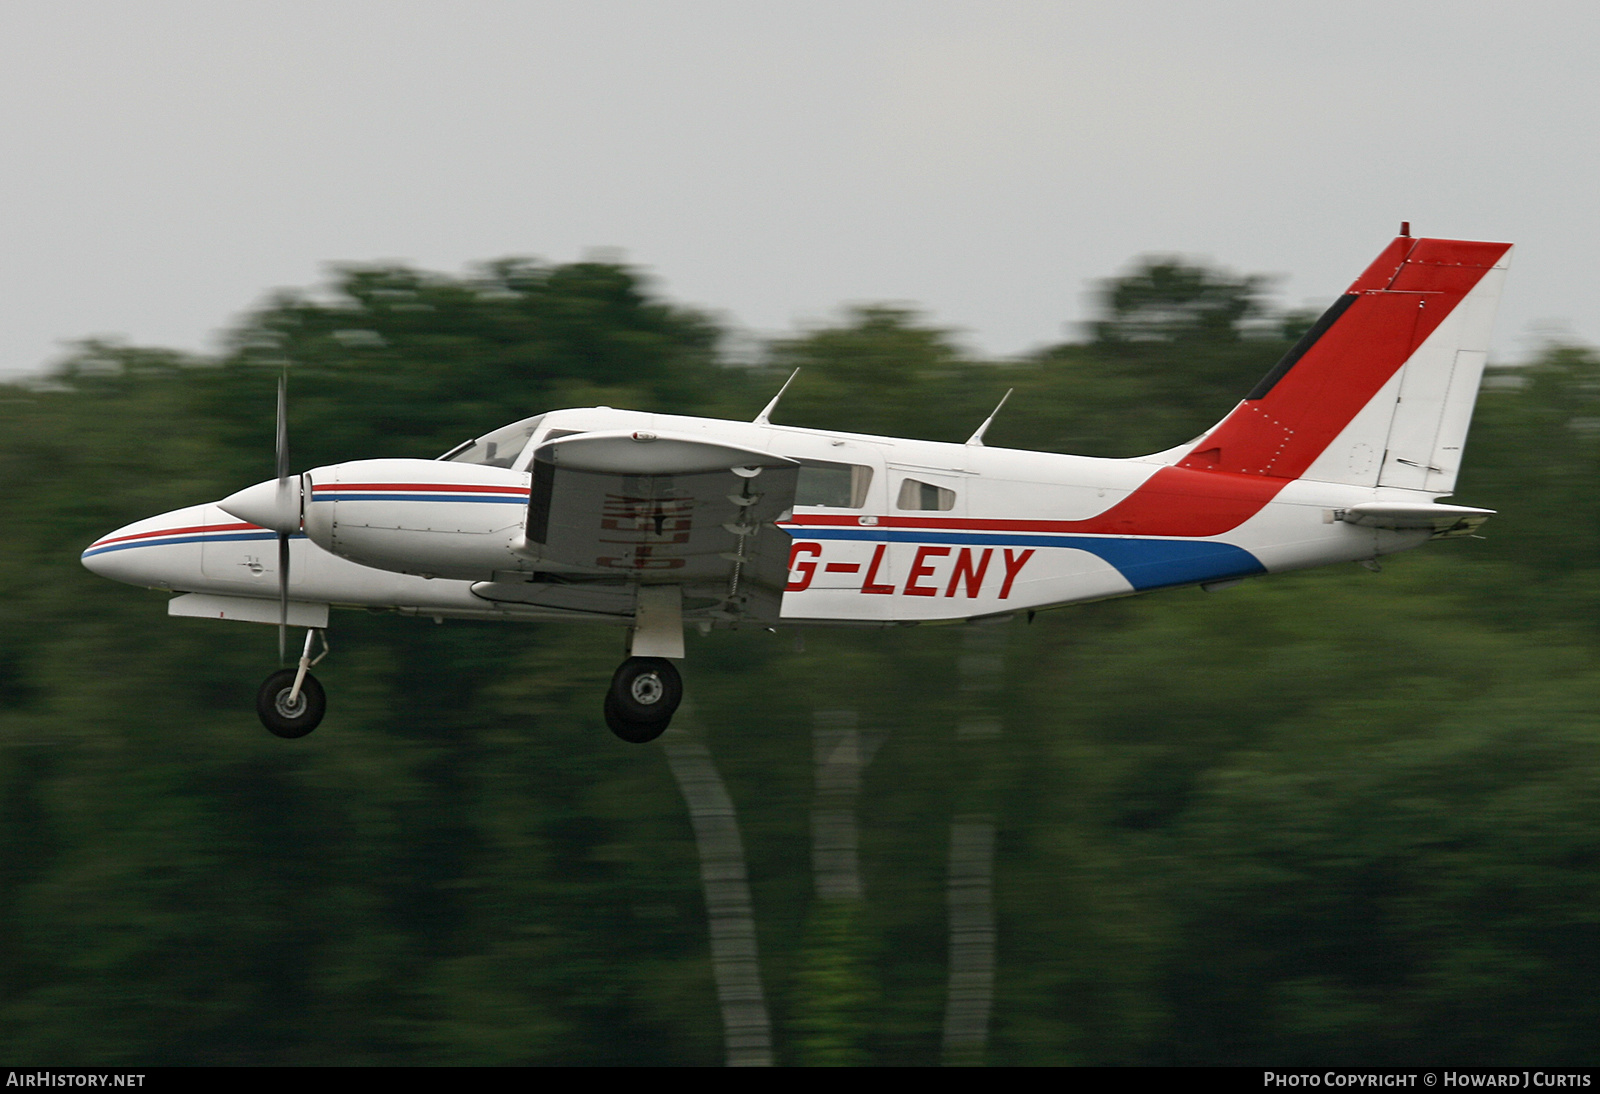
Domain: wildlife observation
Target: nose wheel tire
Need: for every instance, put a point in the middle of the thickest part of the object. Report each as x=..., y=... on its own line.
x=290, y=719
x=643, y=695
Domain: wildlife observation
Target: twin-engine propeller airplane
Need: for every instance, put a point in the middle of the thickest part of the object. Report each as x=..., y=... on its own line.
x=656, y=522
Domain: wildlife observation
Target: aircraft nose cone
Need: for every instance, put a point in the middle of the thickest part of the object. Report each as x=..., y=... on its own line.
x=94, y=557
x=156, y=553
x=116, y=555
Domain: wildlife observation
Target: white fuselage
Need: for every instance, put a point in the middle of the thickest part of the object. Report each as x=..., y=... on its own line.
x=912, y=531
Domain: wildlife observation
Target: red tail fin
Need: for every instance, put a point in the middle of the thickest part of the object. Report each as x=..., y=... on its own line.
x=1342, y=380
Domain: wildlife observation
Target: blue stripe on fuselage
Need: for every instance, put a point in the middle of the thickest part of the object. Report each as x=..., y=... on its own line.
x=174, y=540
x=1145, y=563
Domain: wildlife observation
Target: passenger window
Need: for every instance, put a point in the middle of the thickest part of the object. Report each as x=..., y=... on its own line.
x=838, y=485
x=924, y=496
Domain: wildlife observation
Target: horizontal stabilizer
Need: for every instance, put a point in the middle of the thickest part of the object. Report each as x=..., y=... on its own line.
x=1403, y=516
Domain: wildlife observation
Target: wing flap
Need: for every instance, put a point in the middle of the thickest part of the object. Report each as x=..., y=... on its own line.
x=669, y=510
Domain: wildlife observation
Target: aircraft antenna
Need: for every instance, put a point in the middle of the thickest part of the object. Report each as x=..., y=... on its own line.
x=761, y=419
x=977, y=438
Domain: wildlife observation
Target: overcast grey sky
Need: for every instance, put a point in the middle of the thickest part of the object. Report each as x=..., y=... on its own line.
x=167, y=164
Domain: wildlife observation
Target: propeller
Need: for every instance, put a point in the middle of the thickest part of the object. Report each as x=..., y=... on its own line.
x=275, y=505
x=283, y=504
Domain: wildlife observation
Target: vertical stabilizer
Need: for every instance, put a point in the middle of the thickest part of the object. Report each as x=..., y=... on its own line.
x=1380, y=391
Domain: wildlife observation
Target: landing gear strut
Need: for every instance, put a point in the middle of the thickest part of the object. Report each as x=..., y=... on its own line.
x=291, y=702
x=642, y=697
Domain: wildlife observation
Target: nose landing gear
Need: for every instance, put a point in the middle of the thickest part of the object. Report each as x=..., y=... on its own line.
x=642, y=697
x=291, y=702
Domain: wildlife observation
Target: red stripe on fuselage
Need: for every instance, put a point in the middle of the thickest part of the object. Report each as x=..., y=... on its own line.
x=174, y=532
x=418, y=487
x=1172, y=502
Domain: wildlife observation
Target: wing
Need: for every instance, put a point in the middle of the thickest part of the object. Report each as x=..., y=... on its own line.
x=665, y=509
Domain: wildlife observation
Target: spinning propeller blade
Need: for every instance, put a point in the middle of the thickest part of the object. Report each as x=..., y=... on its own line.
x=283, y=594
x=283, y=537
x=283, y=432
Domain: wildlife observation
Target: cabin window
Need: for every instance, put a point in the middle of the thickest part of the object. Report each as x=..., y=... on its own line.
x=836, y=485
x=498, y=449
x=924, y=496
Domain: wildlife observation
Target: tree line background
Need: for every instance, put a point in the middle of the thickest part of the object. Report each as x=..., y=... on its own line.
x=1330, y=817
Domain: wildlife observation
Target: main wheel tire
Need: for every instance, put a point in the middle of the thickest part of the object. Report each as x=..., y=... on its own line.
x=638, y=732
x=283, y=719
x=646, y=689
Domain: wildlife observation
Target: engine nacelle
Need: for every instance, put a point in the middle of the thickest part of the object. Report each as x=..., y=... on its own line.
x=428, y=517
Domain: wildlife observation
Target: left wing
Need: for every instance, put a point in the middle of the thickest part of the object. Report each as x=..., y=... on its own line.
x=665, y=509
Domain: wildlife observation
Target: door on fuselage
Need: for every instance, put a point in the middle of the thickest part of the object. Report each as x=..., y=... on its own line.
x=841, y=566
x=924, y=504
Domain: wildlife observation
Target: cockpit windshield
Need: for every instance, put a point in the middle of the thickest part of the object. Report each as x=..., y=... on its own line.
x=498, y=449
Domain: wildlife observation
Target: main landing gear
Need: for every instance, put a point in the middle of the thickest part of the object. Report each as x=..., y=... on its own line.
x=642, y=697
x=291, y=703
